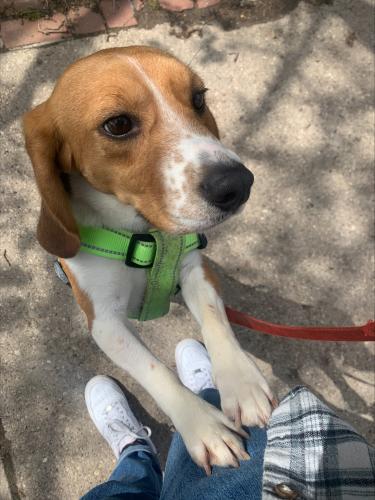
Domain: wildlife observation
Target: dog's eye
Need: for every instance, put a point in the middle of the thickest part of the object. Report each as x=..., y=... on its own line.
x=118, y=126
x=199, y=101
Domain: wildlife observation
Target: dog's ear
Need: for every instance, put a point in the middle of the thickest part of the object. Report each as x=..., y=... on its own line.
x=57, y=230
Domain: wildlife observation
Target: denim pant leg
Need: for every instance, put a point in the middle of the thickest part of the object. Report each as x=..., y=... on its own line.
x=184, y=480
x=137, y=476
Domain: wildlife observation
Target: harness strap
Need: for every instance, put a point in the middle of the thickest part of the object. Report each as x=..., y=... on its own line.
x=114, y=244
x=136, y=250
x=157, y=252
x=163, y=276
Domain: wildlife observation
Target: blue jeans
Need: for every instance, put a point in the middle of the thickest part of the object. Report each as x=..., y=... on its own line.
x=138, y=475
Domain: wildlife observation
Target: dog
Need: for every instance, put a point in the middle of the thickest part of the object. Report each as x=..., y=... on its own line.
x=126, y=141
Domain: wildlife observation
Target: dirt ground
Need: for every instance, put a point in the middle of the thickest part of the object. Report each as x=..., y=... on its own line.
x=294, y=98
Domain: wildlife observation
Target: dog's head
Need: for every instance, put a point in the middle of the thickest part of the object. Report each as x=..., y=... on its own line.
x=134, y=123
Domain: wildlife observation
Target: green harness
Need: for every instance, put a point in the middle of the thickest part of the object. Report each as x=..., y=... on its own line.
x=157, y=252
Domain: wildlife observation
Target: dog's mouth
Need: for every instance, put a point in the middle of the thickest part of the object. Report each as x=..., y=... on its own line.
x=183, y=224
x=188, y=224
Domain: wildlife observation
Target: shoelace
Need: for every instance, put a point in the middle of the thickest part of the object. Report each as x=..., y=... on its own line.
x=118, y=427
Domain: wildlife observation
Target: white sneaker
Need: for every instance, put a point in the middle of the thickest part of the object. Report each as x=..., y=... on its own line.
x=193, y=365
x=110, y=412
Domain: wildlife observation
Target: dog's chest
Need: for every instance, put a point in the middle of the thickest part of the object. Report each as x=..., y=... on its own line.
x=111, y=286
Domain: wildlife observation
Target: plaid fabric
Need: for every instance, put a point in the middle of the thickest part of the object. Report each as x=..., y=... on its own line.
x=312, y=454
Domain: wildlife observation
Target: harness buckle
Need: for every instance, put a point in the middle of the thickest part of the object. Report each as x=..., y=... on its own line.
x=132, y=243
x=202, y=241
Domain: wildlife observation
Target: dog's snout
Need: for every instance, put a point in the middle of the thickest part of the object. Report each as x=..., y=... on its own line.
x=227, y=187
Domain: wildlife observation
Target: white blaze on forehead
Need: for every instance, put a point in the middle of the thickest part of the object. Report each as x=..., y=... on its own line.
x=191, y=146
x=189, y=154
x=169, y=115
x=205, y=147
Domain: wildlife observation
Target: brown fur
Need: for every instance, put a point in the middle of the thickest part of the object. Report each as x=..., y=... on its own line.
x=63, y=135
x=81, y=297
x=57, y=230
x=211, y=277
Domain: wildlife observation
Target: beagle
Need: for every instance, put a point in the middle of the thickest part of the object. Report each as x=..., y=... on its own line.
x=126, y=141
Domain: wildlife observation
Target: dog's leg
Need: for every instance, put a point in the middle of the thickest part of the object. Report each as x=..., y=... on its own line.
x=205, y=430
x=245, y=395
x=106, y=287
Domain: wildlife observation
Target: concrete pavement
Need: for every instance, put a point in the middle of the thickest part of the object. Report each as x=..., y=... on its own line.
x=293, y=98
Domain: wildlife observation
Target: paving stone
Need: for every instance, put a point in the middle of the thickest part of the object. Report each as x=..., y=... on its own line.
x=177, y=5
x=202, y=4
x=85, y=21
x=118, y=14
x=18, y=32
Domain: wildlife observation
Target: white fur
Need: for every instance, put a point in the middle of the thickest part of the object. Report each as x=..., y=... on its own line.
x=171, y=118
x=91, y=207
x=112, y=288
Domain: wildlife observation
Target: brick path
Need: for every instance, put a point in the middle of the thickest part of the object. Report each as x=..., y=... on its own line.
x=82, y=21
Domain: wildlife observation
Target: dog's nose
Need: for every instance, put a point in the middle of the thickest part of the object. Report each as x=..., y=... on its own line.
x=227, y=186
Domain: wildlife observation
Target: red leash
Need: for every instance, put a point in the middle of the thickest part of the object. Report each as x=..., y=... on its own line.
x=325, y=333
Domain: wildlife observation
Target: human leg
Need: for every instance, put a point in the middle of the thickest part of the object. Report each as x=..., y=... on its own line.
x=137, y=474
x=183, y=479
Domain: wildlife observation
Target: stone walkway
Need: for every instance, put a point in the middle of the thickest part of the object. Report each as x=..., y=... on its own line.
x=106, y=16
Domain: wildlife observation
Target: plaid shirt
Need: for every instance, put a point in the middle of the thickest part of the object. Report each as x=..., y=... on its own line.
x=312, y=454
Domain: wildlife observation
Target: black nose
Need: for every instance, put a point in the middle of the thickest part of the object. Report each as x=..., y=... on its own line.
x=227, y=186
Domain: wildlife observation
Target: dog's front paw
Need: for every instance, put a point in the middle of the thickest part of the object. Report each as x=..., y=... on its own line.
x=245, y=395
x=209, y=436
